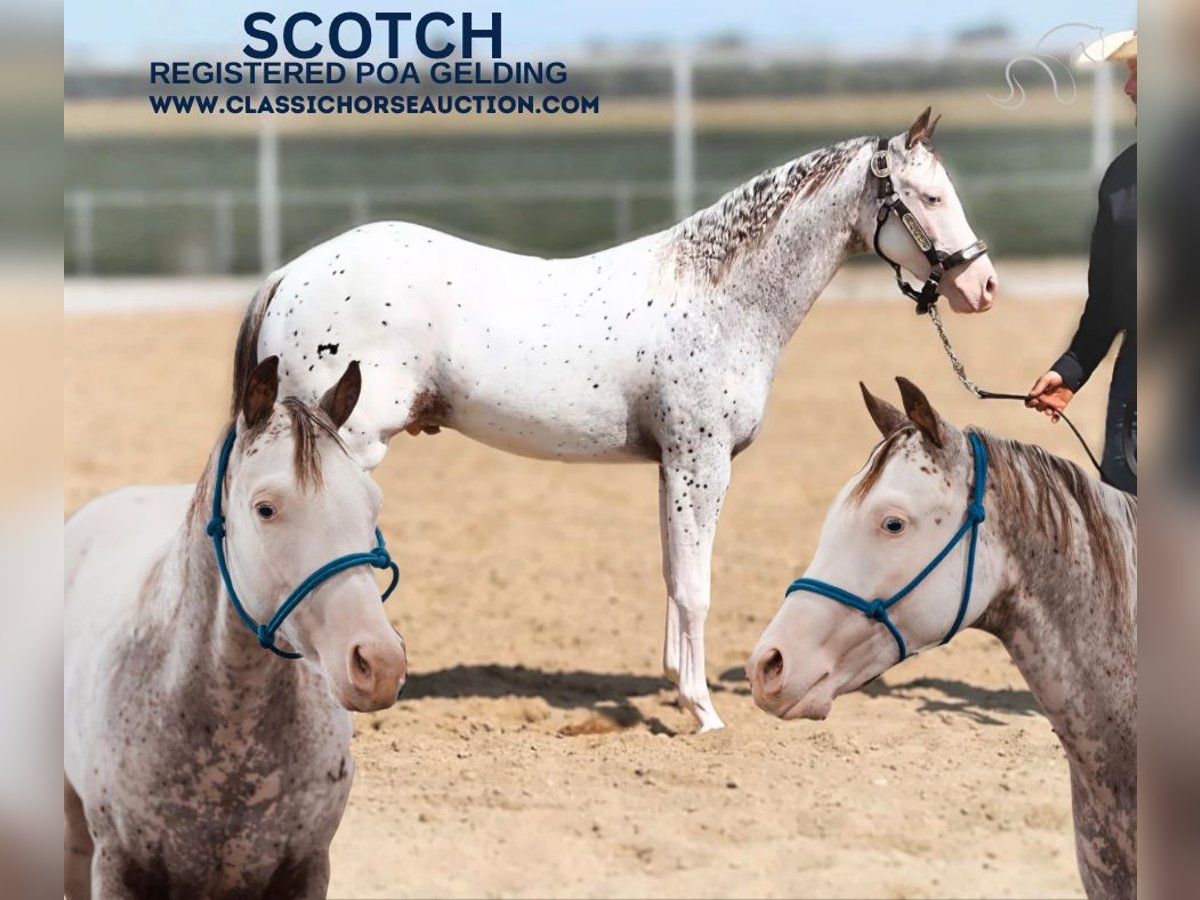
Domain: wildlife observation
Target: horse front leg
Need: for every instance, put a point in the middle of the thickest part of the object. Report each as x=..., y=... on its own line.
x=692, y=492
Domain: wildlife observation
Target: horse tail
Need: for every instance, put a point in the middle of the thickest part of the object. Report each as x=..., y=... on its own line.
x=245, y=352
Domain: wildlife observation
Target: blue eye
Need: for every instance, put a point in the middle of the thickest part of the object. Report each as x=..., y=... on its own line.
x=265, y=510
x=893, y=525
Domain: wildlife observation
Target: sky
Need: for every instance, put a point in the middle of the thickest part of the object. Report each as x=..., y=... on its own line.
x=136, y=30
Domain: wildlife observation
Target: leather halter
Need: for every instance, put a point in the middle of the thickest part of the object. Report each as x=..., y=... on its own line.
x=940, y=262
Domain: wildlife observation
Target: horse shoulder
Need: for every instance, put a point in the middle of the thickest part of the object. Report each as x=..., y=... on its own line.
x=111, y=547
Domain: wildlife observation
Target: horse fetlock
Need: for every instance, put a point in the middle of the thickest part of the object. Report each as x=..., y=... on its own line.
x=699, y=704
x=710, y=722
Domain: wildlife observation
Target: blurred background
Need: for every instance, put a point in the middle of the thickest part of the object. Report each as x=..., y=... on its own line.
x=694, y=100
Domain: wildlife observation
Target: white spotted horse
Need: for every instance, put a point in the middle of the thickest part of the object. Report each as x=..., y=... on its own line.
x=202, y=758
x=659, y=350
x=1016, y=542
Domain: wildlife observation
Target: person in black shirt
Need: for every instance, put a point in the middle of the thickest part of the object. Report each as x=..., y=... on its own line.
x=1111, y=309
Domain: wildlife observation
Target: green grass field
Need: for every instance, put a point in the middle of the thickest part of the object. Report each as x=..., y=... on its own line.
x=1037, y=216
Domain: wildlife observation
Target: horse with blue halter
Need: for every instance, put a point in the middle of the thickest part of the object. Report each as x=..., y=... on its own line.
x=1049, y=567
x=196, y=762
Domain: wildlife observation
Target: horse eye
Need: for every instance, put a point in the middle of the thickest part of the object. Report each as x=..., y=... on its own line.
x=893, y=525
x=265, y=510
x=933, y=199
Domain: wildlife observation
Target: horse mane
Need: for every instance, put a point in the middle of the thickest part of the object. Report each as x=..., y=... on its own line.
x=711, y=239
x=878, y=461
x=1045, y=490
x=1042, y=491
x=306, y=425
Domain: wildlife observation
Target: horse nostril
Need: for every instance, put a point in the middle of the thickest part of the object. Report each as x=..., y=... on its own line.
x=990, y=288
x=360, y=662
x=770, y=670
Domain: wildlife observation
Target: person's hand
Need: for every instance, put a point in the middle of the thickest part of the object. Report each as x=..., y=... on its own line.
x=1049, y=395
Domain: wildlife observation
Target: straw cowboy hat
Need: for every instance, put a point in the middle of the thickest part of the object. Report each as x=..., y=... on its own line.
x=1118, y=47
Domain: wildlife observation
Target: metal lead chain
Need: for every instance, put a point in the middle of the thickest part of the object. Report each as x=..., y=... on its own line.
x=979, y=392
x=954, y=360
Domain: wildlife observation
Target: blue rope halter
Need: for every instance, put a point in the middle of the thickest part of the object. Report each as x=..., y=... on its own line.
x=877, y=610
x=265, y=631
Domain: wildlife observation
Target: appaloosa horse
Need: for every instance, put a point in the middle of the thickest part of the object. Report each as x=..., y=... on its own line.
x=198, y=765
x=1018, y=543
x=660, y=350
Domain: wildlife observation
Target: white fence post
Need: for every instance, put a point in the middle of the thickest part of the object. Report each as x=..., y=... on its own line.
x=83, y=205
x=623, y=210
x=684, y=135
x=223, y=240
x=269, y=243
x=360, y=208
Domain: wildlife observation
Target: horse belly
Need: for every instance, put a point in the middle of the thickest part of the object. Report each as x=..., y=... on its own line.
x=539, y=429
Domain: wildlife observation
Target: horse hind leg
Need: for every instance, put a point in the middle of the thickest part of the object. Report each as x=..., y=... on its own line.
x=78, y=847
x=671, y=638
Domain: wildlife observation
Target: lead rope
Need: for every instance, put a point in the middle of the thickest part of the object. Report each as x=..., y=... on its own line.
x=982, y=394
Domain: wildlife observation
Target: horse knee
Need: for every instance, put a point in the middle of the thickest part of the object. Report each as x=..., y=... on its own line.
x=693, y=608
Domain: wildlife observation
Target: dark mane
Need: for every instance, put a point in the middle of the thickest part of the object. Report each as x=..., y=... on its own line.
x=1047, y=491
x=1038, y=494
x=306, y=424
x=712, y=238
x=878, y=462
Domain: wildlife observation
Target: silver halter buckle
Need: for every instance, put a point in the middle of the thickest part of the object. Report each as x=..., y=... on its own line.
x=881, y=164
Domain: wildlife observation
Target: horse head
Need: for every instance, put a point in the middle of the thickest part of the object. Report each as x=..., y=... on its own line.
x=865, y=602
x=929, y=231
x=297, y=517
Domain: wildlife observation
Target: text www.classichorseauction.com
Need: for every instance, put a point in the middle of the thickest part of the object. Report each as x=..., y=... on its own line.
x=352, y=84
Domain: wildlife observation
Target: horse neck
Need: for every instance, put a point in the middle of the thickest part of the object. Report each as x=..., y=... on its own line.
x=773, y=244
x=1067, y=609
x=208, y=640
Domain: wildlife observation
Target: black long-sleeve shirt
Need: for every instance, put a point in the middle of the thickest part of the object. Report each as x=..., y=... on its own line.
x=1112, y=277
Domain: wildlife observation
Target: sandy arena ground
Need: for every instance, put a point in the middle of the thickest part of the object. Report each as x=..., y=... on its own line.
x=537, y=751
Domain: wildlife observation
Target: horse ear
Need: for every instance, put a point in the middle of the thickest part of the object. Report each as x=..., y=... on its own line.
x=932, y=128
x=920, y=129
x=919, y=411
x=261, y=388
x=885, y=416
x=339, y=400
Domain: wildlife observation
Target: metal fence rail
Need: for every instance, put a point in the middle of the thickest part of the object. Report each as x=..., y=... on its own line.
x=348, y=207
